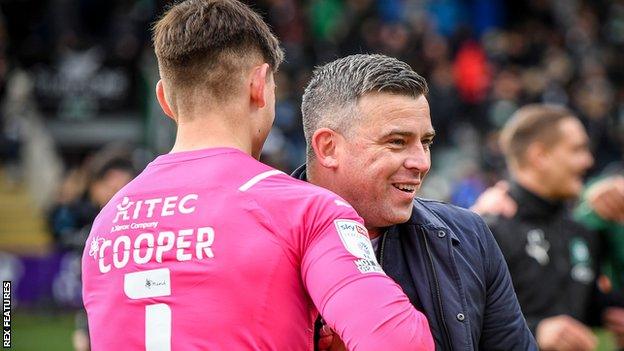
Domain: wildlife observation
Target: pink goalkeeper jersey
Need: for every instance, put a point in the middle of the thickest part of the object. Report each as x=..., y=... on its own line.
x=213, y=250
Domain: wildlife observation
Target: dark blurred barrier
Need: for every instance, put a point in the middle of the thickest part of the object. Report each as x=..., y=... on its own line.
x=48, y=281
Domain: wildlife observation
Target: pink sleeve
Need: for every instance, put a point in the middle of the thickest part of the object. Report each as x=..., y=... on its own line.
x=364, y=306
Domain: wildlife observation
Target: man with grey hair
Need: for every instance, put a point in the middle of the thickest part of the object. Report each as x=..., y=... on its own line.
x=368, y=131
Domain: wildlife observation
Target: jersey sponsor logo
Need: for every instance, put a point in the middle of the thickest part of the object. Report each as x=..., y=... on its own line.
x=146, y=284
x=147, y=208
x=537, y=246
x=94, y=247
x=355, y=239
x=145, y=225
x=151, y=247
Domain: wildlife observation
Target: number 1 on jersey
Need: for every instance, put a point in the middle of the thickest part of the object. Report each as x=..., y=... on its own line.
x=147, y=284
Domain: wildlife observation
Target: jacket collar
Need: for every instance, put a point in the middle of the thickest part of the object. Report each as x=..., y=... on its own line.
x=300, y=173
x=421, y=215
x=424, y=217
x=532, y=205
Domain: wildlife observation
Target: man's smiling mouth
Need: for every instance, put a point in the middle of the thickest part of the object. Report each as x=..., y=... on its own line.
x=408, y=188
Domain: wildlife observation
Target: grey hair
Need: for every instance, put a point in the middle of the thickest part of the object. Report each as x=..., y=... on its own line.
x=330, y=99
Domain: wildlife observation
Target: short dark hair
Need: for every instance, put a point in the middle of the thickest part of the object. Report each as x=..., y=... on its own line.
x=332, y=94
x=532, y=123
x=207, y=42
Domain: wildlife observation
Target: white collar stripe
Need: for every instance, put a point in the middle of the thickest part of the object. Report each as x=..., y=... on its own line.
x=258, y=178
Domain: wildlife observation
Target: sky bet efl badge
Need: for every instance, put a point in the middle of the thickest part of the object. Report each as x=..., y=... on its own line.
x=355, y=239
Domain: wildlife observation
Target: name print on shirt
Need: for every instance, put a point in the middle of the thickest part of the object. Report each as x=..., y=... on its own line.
x=149, y=245
x=187, y=244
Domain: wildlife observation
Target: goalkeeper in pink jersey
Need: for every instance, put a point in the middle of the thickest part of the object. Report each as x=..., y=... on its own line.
x=209, y=249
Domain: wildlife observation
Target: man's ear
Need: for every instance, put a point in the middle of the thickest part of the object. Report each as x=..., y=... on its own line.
x=537, y=155
x=160, y=95
x=260, y=78
x=327, y=146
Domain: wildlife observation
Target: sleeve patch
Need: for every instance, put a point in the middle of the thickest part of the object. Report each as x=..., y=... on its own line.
x=354, y=237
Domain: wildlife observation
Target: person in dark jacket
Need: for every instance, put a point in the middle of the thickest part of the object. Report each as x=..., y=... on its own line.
x=552, y=259
x=368, y=132
x=70, y=221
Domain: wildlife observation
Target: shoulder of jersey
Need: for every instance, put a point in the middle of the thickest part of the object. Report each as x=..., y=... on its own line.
x=279, y=183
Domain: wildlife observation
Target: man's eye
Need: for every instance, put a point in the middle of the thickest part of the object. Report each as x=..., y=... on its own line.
x=427, y=144
x=398, y=142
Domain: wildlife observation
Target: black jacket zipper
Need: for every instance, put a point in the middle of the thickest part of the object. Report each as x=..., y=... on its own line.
x=436, y=289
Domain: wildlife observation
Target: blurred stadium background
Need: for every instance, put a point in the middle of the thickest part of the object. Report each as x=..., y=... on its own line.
x=77, y=84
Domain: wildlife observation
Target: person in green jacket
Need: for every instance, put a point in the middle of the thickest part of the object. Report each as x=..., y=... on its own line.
x=602, y=209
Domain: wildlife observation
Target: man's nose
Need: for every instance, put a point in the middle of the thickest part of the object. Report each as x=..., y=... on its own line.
x=418, y=160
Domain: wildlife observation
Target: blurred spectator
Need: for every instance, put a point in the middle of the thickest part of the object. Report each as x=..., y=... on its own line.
x=83, y=193
x=467, y=191
x=471, y=73
x=602, y=209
